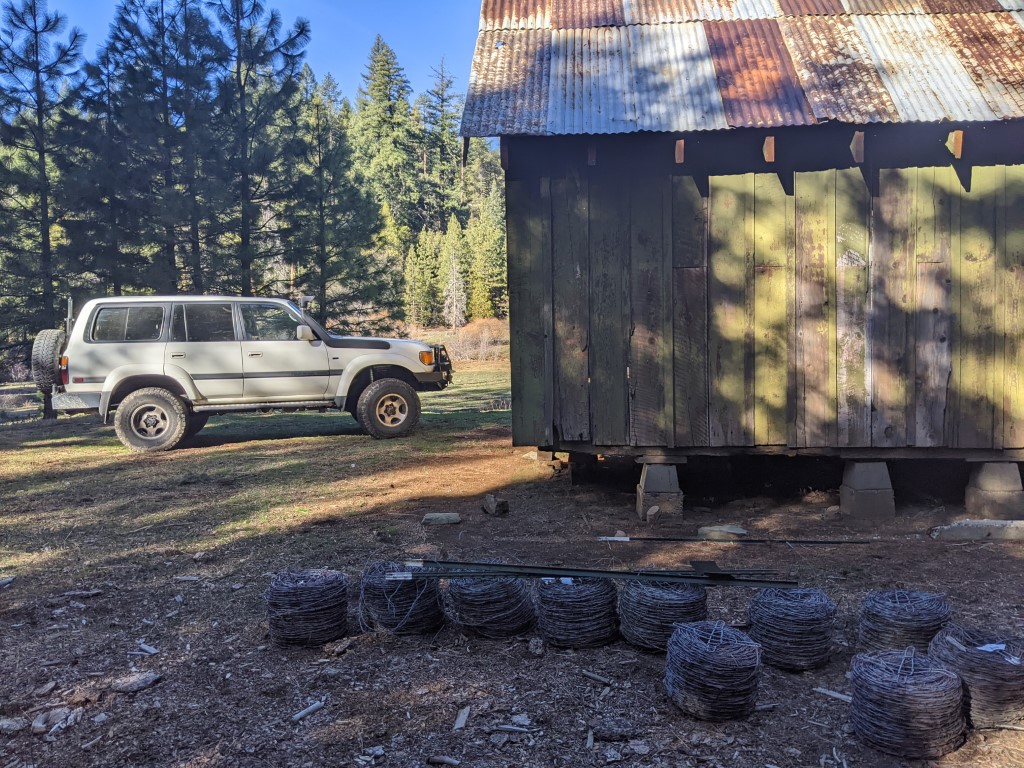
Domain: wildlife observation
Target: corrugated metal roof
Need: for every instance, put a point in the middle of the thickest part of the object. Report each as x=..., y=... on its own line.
x=672, y=11
x=990, y=47
x=623, y=66
x=921, y=72
x=755, y=74
x=836, y=71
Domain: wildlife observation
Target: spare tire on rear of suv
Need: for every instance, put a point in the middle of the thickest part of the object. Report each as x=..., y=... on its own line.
x=46, y=351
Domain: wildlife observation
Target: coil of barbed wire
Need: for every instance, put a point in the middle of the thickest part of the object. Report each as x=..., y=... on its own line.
x=895, y=618
x=712, y=671
x=906, y=705
x=649, y=611
x=401, y=607
x=577, y=613
x=793, y=627
x=491, y=606
x=991, y=666
x=308, y=607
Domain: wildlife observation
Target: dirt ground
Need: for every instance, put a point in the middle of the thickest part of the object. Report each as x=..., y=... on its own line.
x=110, y=551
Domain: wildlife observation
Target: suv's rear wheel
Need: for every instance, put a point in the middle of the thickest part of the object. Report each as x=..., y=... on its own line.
x=151, y=419
x=388, y=408
x=46, y=351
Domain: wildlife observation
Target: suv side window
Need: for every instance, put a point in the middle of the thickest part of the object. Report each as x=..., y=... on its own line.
x=268, y=322
x=202, y=322
x=128, y=324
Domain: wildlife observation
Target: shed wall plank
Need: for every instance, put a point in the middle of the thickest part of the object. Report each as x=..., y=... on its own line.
x=893, y=297
x=650, y=346
x=1013, y=297
x=529, y=267
x=609, y=311
x=853, y=211
x=690, y=313
x=816, y=400
x=773, y=257
x=730, y=301
x=976, y=340
x=571, y=291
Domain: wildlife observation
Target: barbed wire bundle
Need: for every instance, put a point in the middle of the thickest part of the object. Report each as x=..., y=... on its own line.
x=895, y=618
x=648, y=612
x=793, y=627
x=307, y=608
x=906, y=705
x=712, y=671
x=577, y=613
x=494, y=607
x=991, y=666
x=402, y=607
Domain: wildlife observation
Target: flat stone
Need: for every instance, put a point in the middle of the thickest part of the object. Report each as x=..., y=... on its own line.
x=980, y=530
x=867, y=476
x=441, y=518
x=996, y=476
x=721, y=532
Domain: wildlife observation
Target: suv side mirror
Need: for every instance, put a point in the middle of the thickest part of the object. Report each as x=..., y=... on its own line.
x=304, y=333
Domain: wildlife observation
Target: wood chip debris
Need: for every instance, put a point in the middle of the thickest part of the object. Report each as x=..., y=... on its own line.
x=461, y=718
x=597, y=678
x=442, y=760
x=135, y=683
x=6, y=582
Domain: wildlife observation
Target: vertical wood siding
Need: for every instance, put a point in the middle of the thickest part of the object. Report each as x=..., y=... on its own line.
x=739, y=311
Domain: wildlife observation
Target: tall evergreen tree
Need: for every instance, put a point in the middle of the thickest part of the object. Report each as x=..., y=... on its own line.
x=105, y=238
x=440, y=109
x=485, y=241
x=257, y=99
x=331, y=221
x=385, y=139
x=35, y=64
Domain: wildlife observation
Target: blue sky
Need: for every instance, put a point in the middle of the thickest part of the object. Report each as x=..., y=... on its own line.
x=420, y=31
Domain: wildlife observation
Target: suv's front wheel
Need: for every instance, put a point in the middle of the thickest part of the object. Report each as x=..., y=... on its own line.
x=151, y=419
x=388, y=408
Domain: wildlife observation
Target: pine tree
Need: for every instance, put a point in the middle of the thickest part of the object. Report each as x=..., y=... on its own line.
x=34, y=68
x=256, y=98
x=331, y=222
x=452, y=270
x=385, y=141
x=440, y=109
x=485, y=241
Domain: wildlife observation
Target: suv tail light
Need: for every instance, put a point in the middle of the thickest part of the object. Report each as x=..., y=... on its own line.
x=64, y=370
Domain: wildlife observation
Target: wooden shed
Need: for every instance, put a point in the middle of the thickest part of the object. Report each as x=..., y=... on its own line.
x=771, y=226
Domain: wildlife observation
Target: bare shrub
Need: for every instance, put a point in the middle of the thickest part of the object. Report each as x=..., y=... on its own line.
x=480, y=340
x=19, y=372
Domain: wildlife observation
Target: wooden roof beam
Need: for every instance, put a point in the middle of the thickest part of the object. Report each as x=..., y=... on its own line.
x=680, y=151
x=857, y=147
x=768, y=149
x=955, y=144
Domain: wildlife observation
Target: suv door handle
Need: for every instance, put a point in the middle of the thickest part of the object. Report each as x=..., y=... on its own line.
x=255, y=354
x=177, y=355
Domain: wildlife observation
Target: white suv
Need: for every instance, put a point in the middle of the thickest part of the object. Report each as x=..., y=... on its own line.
x=164, y=364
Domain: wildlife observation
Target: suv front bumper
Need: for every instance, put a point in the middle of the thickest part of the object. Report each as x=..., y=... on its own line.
x=441, y=376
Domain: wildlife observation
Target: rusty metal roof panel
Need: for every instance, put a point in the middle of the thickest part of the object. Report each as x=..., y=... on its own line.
x=991, y=48
x=811, y=8
x=508, y=87
x=755, y=74
x=888, y=7
x=835, y=70
x=515, y=14
x=672, y=11
x=920, y=70
x=547, y=14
